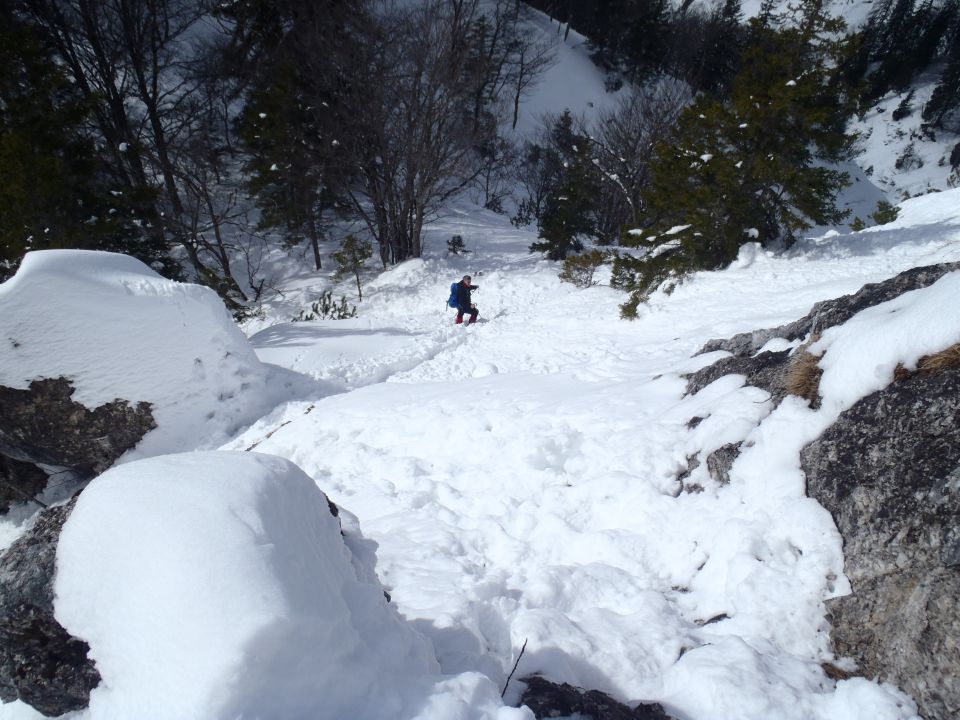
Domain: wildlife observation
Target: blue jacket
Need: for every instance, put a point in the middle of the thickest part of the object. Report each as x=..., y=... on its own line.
x=463, y=296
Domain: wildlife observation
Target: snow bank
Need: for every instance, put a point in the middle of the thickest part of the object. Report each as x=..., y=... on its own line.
x=217, y=585
x=119, y=330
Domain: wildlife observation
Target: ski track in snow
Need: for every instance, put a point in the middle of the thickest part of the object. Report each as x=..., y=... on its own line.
x=548, y=508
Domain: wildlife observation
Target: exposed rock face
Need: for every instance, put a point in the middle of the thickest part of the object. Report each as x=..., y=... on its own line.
x=889, y=472
x=44, y=425
x=39, y=662
x=549, y=700
x=19, y=481
x=834, y=312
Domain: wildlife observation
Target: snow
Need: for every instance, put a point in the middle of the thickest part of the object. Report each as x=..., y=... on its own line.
x=119, y=330
x=515, y=481
x=238, y=565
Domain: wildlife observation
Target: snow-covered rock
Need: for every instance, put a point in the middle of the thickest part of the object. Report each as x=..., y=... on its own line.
x=217, y=585
x=115, y=330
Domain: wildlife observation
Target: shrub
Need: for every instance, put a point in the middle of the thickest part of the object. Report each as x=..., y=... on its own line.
x=326, y=309
x=803, y=375
x=579, y=269
x=858, y=224
x=905, y=108
x=455, y=246
x=885, y=213
x=350, y=259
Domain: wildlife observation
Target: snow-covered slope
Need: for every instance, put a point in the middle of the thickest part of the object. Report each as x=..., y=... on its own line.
x=520, y=479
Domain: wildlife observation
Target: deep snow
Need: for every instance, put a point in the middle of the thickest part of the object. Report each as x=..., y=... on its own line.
x=519, y=478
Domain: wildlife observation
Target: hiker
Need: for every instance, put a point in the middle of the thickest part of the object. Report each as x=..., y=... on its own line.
x=463, y=301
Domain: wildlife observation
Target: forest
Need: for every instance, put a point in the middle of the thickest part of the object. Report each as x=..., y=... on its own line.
x=190, y=133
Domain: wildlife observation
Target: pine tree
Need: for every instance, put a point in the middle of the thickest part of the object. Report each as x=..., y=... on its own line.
x=55, y=192
x=746, y=169
x=567, y=214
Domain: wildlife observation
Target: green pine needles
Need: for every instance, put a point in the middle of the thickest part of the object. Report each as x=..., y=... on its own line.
x=752, y=168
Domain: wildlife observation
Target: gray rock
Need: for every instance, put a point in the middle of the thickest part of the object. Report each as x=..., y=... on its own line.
x=721, y=460
x=833, y=312
x=889, y=472
x=43, y=425
x=40, y=663
x=765, y=371
x=19, y=481
x=552, y=700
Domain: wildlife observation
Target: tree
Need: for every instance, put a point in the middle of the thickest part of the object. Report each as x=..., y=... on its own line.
x=568, y=212
x=301, y=57
x=133, y=62
x=55, y=191
x=623, y=145
x=748, y=169
x=351, y=258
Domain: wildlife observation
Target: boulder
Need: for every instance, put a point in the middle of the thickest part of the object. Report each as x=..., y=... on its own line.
x=19, y=481
x=44, y=425
x=888, y=470
x=40, y=663
x=550, y=700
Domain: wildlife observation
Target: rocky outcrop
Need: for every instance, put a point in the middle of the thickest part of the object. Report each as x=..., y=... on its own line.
x=40, y=663
x=44, y=425
x=833, y=312
x=550, y=700
x=19, y=481
x=888, y=470
x=767, y=370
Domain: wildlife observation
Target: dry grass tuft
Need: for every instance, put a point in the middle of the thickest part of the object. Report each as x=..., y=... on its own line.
x=930, y=364
x=835, y=673
x=940, y=361
x=802, y=377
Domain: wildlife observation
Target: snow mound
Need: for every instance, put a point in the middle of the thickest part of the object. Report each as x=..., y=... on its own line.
x=119, y=330
x=217, y=585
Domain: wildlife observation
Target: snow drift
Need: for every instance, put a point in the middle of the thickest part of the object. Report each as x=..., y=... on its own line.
x=116, y=329
x=217, y=585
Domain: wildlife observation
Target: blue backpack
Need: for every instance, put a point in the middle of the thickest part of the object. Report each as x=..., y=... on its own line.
x=452, y=300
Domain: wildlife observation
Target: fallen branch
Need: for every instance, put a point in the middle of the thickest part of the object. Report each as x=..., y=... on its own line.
x=514, y=667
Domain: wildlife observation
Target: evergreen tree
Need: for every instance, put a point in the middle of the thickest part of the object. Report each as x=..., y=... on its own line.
x=294, y=123
x=56, y=193
x=567, y=214
x=746, y=169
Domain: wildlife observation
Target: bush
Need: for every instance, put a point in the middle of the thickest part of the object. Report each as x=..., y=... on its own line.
x=803, y=376
x=455, y=246
x=858, y=224
x=326, y=309
x=885, y=213
x=350, y=258
x=579, y=269
x=905, y=108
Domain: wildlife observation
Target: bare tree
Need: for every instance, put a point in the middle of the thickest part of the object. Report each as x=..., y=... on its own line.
x=623, y=144
x=414, y=144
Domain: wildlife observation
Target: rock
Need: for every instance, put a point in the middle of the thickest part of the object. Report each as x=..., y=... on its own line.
x=19, y=481
x=888, y=470
x=44, y=425
x=721, y=460
x=765, y=370
x=551, y=700
x=833, y=312
x=40, y=663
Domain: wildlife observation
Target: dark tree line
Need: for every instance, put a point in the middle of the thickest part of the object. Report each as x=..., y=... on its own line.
x=156, y=126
